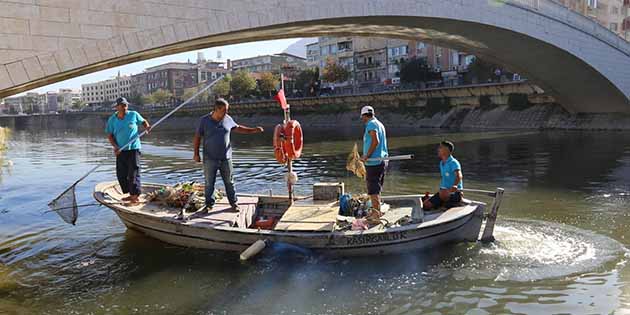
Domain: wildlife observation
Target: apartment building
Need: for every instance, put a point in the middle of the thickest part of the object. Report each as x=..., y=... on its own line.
x=269, y=63
x=106, y=91
x=27, y=104
x=312, y=55
x=49, y=102
x=375, y=62
x=370, y=69
x=174, y=77
x=612, y=14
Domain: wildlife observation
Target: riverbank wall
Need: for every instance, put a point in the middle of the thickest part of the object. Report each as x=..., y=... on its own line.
x=484, y=107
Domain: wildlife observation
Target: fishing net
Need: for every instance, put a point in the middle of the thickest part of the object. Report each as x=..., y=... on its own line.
x=66, y=206
x=354, y=164
x=188, y=196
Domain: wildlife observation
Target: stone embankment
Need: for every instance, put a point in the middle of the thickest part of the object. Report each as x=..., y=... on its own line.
x=518, y=105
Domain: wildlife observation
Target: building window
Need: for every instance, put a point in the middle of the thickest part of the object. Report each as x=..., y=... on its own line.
x=324, y=50
x=344, y=46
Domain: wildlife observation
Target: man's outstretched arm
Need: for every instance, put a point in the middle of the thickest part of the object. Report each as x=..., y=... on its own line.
x=248, y=130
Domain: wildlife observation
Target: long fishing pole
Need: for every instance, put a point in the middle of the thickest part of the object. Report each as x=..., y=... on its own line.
x=81, y=206
x=141, y=134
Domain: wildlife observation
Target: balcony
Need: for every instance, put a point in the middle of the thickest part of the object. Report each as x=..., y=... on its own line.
x=362, y=66
x=346, y=53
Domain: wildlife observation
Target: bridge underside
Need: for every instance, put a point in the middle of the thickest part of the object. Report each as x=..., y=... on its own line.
x=573, y=82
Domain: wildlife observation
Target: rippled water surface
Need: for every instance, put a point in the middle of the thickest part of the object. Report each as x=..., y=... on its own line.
x=561, y=244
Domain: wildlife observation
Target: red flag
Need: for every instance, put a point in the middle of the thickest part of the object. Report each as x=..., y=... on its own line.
x=281, y=99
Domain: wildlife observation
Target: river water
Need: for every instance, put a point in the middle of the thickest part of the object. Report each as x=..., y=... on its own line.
x=561, y=237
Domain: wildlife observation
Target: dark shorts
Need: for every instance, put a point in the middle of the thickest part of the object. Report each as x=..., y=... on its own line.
x=375, y=177
x=453, y=200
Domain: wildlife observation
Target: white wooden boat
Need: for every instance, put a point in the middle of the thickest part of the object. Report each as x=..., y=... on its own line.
x=307, y=224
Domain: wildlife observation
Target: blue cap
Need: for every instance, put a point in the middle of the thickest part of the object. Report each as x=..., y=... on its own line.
x=121, y=100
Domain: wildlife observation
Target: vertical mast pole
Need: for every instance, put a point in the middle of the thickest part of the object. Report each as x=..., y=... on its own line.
x=287, y=117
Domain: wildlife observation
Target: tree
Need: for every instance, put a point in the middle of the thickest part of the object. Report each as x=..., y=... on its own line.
x=268, y=83
x=189, y=92
x=242, y=84
x=335, y=73
x=483, y=71
x=160, y=96
x=78, y=104
x=307, y=80
x=415, y=71
x=222, y=88
x=137, y=99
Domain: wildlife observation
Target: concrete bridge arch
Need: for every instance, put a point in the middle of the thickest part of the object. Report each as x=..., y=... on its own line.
x=585, y=66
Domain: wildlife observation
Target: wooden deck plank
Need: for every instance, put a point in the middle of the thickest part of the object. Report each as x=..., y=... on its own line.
x=220, y=215
x=319, y=218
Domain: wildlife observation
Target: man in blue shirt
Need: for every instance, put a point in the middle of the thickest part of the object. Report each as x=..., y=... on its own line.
x=215, y=130
x=121, y=128
x=374, y=148
x=452, y=181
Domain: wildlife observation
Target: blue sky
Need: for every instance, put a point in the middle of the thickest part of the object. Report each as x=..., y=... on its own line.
x=228, y=52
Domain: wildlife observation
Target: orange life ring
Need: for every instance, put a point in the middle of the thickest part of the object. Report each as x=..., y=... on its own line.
x=293, y=140
x=278, y=148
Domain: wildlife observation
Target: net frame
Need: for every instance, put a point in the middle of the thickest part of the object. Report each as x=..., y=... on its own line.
x=65, y=205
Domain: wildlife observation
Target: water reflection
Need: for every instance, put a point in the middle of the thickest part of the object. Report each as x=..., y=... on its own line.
x=562, y=250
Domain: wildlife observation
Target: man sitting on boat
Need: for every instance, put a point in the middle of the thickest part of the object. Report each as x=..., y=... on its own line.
x=121, y=128
x=374, y=150
x=215, y=129
x=451, y=184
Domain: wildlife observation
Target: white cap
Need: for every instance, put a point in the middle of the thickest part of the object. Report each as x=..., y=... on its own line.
x=367, y=110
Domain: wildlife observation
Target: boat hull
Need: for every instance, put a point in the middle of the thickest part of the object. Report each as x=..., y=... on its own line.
x=352, y=243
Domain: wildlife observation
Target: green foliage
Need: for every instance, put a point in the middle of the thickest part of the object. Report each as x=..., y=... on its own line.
x=518, y=101
x=222, y=88
x=485, y=102
x=416, y=70
x=136, y=99
x=78, y=104
x=335, y=73
x=242, y=84
x=160, y=96
x=437, y=105
x=306, y=80
x=189, y=92
x=268, y=83
x=483, y=71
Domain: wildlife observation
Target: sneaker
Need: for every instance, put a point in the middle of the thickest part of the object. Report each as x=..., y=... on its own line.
x=236, y=208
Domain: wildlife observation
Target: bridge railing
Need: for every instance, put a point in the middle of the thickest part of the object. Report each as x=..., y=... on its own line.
x=575, y=20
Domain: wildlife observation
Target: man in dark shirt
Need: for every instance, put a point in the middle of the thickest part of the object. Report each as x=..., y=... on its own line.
x=215, y=129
